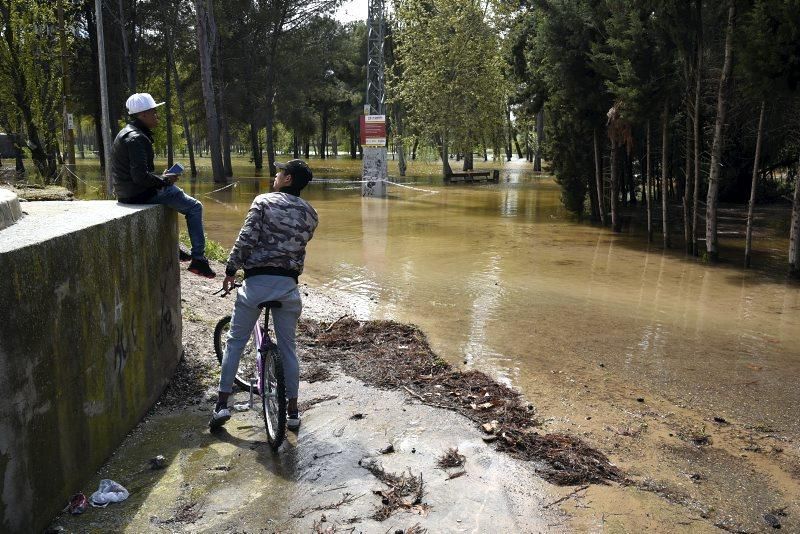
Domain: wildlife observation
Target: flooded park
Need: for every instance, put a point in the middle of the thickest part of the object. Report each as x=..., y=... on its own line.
x=517, y=267
x=674, y=368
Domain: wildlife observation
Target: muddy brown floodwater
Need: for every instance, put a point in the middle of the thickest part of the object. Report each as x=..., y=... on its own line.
x=634, y=348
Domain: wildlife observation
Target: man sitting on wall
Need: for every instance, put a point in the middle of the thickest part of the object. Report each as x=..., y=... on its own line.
x=135, y=182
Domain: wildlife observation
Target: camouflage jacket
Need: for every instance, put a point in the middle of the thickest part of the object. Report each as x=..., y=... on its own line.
x=274, y=236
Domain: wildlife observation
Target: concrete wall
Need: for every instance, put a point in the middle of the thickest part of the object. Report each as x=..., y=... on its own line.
x=90, y=334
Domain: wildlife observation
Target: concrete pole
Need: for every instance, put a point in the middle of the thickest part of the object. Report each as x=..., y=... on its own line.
x=106, y=127
x=69, y=137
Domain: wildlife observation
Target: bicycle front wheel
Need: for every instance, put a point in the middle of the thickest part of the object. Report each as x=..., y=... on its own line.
x=247, y=363
x=273, y=401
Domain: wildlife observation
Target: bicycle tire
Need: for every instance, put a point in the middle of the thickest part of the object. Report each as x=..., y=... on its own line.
x=273, y=401
x=247, y=363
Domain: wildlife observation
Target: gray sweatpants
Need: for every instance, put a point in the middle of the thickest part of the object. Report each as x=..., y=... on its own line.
x=254, y=291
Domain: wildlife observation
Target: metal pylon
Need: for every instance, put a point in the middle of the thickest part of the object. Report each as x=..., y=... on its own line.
x=375, y=170
x=376, y=94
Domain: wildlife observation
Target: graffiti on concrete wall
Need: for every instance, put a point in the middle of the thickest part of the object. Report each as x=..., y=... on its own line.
x=166, y=325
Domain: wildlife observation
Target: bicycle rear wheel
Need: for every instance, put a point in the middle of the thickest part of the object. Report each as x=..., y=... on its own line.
x=273, y=401
x=247, y=364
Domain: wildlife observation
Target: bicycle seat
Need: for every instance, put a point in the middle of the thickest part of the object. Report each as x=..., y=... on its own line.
x=270, y=304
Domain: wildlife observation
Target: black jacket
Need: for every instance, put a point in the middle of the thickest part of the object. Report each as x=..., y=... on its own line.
x=132, y=164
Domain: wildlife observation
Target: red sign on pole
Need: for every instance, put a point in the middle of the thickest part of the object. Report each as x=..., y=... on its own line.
x=373, y=130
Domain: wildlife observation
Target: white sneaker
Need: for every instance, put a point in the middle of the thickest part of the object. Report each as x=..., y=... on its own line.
x=293, y=423
x=219, y=418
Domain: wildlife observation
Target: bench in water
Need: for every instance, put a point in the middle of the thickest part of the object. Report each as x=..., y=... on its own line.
x=473, y=177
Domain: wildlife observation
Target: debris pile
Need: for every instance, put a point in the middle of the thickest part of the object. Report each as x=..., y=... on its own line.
x=391, y=355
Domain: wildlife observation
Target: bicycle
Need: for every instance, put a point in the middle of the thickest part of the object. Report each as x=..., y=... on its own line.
x=261, y=374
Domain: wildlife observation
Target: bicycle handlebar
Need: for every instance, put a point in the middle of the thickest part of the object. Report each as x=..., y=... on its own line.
x=226, y=293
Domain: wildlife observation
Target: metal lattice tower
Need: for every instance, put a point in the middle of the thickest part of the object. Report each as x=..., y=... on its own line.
x=375, y=165
x=376, y=94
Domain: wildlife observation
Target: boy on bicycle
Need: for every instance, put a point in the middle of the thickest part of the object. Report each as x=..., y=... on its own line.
x=271, y=248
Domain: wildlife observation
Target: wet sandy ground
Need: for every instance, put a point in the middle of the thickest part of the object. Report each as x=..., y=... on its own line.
x=688, y=473
x=233, y=482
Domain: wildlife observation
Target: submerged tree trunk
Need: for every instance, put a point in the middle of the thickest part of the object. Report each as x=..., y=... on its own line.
x=716, y=149
x=665, y=174
x=446, y=170
x=400, y=141
x=203, y=9
x=649, y=187
x=756, y=160
x=509, y=132
x=255, y=147
x=516, y=143
x=598, y=177
x=323, y=141
x=794, y=235
x=351, y=129
x=468, y=161
x=537, y=160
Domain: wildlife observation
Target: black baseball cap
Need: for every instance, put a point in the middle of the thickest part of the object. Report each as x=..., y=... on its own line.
x=301, y=173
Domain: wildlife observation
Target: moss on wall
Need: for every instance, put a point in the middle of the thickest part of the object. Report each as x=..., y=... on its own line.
x=88, y=340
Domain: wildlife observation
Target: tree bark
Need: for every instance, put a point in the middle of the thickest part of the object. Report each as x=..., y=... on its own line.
x=756, y=161
x=414, y=149
x=446, y=170
x=696, y=125
x=516, y=143
x=130, y=64
x=616, y=222
x=716, y=148
x=352, y=131
x=687, y=186
x=187, y=133
x=400, y=140
x=79, y=129
x=468, y=162
x=324, y=135
x=794, y=236
x=649, y=187
x=255, y=147
x=203, y=9
x=509, y=132
x=598, y=177
x=219, y=90
x=665, y=174
x=168, y=110
x=537, y=160
x=270, y=120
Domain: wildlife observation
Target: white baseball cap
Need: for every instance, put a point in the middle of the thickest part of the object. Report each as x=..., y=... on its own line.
x=139, y=102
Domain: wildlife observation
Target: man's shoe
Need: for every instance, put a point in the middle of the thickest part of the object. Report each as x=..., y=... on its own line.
x=183, y=255
x=219, y=418
x=200, y=266
x=293, y=421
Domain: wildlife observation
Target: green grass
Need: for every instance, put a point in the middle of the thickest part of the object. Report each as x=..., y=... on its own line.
x=214, y=251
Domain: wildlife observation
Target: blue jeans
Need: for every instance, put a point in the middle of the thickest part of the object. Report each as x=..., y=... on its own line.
x=175, y=198
x=254, y=291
